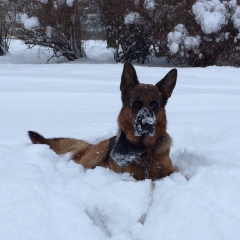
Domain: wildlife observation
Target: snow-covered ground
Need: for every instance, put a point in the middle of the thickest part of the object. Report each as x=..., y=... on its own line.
x=47, y=197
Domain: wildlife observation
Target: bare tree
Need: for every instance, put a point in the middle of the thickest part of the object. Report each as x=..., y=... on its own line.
x=59, y=25
x=7, y=25
x=126, y=30
x=138, y=29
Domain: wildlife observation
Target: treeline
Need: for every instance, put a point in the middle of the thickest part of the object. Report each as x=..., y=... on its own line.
x=186, y=33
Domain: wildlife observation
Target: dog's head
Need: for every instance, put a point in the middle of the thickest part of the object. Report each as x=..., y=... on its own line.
x=142, y=118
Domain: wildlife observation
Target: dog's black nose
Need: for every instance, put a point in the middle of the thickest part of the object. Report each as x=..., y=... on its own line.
x=147, y=126
x=145, y=123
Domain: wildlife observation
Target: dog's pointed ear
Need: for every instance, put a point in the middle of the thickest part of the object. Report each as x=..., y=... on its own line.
x=167, y=84
x=129, y=78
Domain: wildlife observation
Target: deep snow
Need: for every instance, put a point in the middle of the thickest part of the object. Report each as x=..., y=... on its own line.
x=45, y=196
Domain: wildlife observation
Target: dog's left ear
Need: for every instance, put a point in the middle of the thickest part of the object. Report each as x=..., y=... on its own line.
x=129, y=79
x=167, y=84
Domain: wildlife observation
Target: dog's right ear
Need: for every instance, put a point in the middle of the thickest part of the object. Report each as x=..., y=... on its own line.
x=129, y=78
x=167, y=84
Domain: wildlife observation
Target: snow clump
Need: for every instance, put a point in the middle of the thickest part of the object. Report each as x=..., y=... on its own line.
x=179, y=38
x=29, y=23
x=132, y=17
x=211, y=15
x=69, y=2
x=149, y=4
x=236, y=18
x=49, y=31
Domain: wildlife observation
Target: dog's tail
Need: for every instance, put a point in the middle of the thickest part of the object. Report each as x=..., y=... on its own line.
x=36, y=138
x=59, y=145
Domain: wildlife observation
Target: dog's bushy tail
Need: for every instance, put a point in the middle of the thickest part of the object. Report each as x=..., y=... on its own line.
x=36, y=138
x=59, y=145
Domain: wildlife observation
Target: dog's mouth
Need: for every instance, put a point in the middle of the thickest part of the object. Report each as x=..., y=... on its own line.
x=145, y=123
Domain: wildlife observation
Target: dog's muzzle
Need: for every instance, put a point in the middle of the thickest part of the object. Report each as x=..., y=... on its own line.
x=145, y=123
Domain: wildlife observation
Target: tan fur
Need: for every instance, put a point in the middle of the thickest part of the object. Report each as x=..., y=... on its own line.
x=93, y=156
x=90, y=156
x=65, y=145
x=156, y=160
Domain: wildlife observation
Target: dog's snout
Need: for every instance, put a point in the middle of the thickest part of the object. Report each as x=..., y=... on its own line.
x=145, y=123
x=147, y=128
x=148, y=121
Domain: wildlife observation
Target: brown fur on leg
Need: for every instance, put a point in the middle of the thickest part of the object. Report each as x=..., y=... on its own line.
x=93, y=155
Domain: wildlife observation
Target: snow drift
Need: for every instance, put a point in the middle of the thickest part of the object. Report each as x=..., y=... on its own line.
x=45, y=196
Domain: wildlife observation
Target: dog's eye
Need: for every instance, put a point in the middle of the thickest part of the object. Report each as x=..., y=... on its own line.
x=153, y=104
x=137, y=104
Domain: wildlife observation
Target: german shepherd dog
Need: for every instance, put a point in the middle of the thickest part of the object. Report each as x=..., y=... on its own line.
x=142, y=145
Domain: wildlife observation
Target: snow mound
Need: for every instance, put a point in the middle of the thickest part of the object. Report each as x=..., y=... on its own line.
x=49, y=197
x=45, y=196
